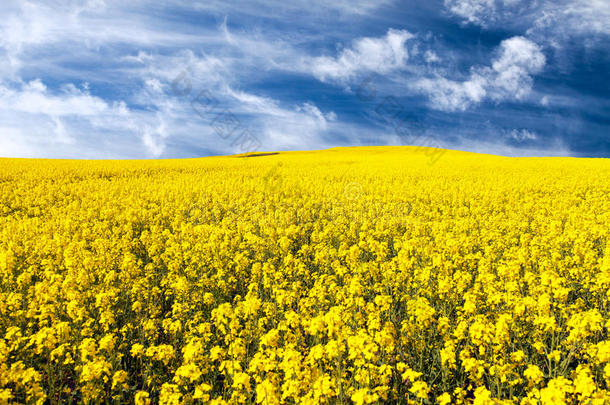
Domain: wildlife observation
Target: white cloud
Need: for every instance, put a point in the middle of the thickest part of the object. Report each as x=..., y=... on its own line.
x=76, y=27
x=142, y=54
x=131, y=53
x=431, y=57
x=61, y=134
x=511, y=74
x=154, y=137
x=572, y=18
x=521, y=53
x=559, y=17
x=449, y=95
x=281, y=127
x=37, y=122
x=508, y=78
x=522, y=135
x=472, y=11
x=15, y=142
x=33, y=98
x=381, y=55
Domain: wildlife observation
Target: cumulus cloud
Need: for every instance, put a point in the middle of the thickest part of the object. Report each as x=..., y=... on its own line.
x=511, y=73
x=382, y=55
x=508, y=78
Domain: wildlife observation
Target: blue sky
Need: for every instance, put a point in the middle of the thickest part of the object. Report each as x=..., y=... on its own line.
x=171, y=79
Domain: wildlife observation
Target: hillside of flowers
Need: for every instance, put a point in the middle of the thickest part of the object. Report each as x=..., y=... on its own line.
x=346, y=276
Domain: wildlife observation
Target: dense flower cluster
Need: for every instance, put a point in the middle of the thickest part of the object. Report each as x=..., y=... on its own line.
x=346, y=276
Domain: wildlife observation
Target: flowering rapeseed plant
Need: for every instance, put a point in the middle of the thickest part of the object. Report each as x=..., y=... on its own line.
x=344, y=276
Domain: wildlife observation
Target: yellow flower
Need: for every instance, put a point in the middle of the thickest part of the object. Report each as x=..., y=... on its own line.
x=555, y=392
x=482, y=396
x=266, y=393
x=201, y=392
x=533, y=374
x=107, y=343
x=190, y=372
x=242, y=381
x=420, y=389
x=170, y=394
x=443, y=399
x=137, y=350
x=208, y=298
x=584, y=385
x=142, y=398
x=97, y=370
x=119, y=379
x=363, y=397
x=517, y=356
x=410, y=375
x=164, y=353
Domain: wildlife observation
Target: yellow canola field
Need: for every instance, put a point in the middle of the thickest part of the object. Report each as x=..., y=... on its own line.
x=356, y=275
